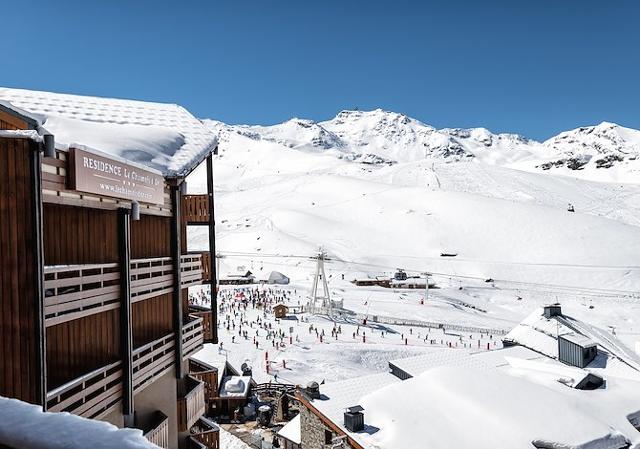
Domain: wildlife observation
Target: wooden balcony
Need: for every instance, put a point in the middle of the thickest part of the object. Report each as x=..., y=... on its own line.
x=192, y=336
x=151, y=277
x=92, y=395
x=207, y=321
x=191, y=267
x=155, y=428
x=210, y=378
x=206, y=435
x=205, y=258
x=152, y=361
x=195, y=209
x=74, y=291
x=191, y=405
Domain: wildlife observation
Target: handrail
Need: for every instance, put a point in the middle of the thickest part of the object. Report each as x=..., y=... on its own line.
x=79, y=380
x=75, y=267
x=151, y=344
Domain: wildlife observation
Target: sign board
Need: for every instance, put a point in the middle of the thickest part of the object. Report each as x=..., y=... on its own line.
x=94, y=173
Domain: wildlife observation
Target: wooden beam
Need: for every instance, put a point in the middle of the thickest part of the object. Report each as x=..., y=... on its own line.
x=177, y=278
x=212, y=252
x=126, y=333
x=38, y=275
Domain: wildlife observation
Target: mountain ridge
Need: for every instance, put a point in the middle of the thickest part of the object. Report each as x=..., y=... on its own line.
x=602, y=152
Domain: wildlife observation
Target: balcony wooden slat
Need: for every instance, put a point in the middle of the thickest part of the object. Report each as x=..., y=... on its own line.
x=79, y=396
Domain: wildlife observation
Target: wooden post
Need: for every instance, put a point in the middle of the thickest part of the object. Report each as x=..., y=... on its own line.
x=126, y=333
x=177, y=278
x=38, y=276
x=212, y=252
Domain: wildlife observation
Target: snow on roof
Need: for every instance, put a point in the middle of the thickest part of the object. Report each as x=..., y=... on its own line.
x=417, y=365
x=21, y=134
x=494, y=408
x=291, y=431
x=27, y=427
x=540, y=334
x=235, y=386
x=335, y=397
x=579, y=340
x=165, y=137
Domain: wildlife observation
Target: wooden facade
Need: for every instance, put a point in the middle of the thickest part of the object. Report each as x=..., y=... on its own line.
x=87, y=312
x=19, y=374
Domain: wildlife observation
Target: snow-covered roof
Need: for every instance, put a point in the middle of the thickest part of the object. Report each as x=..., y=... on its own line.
x=25, y=426
x=540, y=334
x=165, y=137
x=470, y=408
x=579, y=340
x=235, y=387
x=291, y=431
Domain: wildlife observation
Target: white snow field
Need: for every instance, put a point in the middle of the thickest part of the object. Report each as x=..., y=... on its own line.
x=378, y=190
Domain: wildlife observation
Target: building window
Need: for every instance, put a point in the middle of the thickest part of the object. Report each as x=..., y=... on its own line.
x=328, y=436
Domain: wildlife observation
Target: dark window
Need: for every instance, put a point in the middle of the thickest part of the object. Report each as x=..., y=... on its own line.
x=328, y=436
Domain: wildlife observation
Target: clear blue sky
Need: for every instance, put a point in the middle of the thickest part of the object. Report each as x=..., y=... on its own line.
x=534, y=67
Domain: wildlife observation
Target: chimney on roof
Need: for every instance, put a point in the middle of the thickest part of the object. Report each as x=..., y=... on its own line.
x=354, y=419
x=313, y=390
x=552, y=310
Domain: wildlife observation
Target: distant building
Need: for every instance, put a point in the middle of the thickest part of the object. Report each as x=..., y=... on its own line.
x=280, y=310
x=278, y=278
x=238, y=279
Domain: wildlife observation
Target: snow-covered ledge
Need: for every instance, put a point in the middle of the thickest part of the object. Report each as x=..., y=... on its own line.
x=25, y=426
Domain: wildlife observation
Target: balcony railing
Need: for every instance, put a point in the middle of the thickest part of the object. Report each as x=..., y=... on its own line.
x=191, y=405
x=209, y=376
x=192, y=337
x=206, y=434
x=152, y=361
x=151, y=277
x=91, y=395
x=156, y=429
x=74, y=291
x=207, y=322
x=195, y=209
x=191, y=269
x=205, y=257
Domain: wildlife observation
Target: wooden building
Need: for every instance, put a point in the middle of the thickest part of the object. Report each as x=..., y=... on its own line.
x=94, y=268
x=280, y=310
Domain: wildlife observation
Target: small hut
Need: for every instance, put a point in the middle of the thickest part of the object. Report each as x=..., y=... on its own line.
x=278, y=278
x=280, y=310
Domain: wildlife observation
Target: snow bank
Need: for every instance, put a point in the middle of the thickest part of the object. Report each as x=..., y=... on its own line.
x=25, y=426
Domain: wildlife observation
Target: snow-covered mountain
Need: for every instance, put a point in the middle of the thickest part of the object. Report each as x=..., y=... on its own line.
x=384, y=189
x=606, y=152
